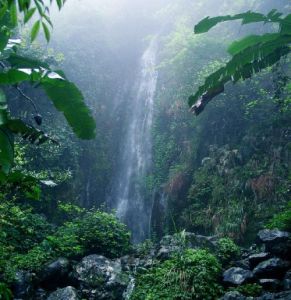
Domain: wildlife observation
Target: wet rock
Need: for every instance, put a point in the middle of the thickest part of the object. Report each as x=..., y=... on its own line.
x=271, y=268
x=40, y=294
x=236, y=276
x=100, y=278
x=233, y=296
x=276, y=296
x=23, y=285
x=67, y=293
x=272, y=285
x=276, y=242
x=257, y=258
x=244, y=264
x=55, y=274
x=287, y=281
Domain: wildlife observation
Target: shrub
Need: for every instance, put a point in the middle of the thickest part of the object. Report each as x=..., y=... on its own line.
x=282, y=220
x=227, y=250
x=21, y=229
x=95, y=232
x=192, y=275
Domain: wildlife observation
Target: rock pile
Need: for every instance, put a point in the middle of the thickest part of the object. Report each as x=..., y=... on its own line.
x=269, y=266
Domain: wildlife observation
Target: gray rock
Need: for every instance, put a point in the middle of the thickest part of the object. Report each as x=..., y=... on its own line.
x=276, y=242
x=233, y=296
x=244, y=264
x=100, y=278
x=40, y=294
x=23, y=285
x=287, y=281
x=272, y=285
x=275, y=235
x=67, y=293
x=236, y=276
x=271, y=268
x=257, y=258
x=276, y=296
x=55, y=274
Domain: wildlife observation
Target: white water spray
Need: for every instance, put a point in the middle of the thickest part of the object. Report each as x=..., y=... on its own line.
x=136, y=152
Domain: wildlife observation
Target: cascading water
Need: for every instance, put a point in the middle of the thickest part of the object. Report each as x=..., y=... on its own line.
x=136, y=151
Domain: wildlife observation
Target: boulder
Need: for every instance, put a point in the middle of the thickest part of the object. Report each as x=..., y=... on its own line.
x=257, y=258
x=237, y=276
x=287, y=281
x=100, y=278
x=276, y=242
x=272, y=285
x=271, y=268
x=40, y=294
x=55, y=274
x=244, y=264
x=22, y=287
x=276, y=296
x=234, y=295
x=67, y=293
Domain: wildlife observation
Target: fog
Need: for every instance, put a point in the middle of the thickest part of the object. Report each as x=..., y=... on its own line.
x=108, y=54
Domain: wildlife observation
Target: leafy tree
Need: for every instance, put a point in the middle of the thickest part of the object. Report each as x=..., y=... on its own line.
x=250, y=54
x=18, y=70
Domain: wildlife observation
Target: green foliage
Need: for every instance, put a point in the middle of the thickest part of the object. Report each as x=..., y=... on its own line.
x=227, y=250
x=5, y=293
x=18, y=69
x=250, y=54
x=95, y=232
x=28, y=243
x=249, y=290
x=21, y=229
x=281, y=220
x=192, y=275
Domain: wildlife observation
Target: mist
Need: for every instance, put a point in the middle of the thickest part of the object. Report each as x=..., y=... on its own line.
x=145, y=149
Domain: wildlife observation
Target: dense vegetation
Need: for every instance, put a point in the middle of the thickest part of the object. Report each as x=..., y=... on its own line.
x=223, y=173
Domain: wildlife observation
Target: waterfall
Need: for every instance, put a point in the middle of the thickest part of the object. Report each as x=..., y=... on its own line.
x=136, y=151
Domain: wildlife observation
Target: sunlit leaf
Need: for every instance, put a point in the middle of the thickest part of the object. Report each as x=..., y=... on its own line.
x=13, y=14
x=68, y=99
x=29, y=14
x=46, y=32
x=34, y=30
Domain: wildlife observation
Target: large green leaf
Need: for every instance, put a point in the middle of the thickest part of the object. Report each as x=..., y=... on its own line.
x=35, y=30
x=18, y=61
x=248, y=17
x=250, y=54
x=245, y=63
x=68, y=99
x=64, y=94
x=251, y=40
